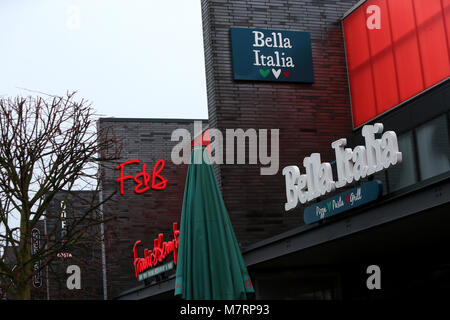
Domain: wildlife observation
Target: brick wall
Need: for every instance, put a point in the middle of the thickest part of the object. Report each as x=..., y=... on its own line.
x=309, y=116
x=140, y=216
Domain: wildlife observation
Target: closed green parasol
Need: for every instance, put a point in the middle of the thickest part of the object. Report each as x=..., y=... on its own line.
x=210, y=264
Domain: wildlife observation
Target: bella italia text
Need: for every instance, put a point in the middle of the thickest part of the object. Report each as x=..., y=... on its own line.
x=352, y=165
x=276, y=40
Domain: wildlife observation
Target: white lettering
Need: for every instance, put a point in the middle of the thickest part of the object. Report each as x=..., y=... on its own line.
x=259, y=36
x=292, y=175
x=351, y=165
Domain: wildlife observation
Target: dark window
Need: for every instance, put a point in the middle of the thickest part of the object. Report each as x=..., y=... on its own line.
x=404, y=174
x=381, y=176
x=433, y=147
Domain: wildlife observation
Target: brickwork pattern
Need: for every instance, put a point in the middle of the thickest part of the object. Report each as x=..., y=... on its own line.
x=309, y=116
x=140, y=216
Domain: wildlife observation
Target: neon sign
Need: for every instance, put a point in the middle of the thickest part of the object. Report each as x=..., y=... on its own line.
x=142, y=179
x=160, y=251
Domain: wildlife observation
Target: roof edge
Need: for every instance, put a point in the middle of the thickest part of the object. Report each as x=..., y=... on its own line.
x=356, y=6
x=113, y=119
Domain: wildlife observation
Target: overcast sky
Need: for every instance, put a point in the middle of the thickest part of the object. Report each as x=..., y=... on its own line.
x=130, y=58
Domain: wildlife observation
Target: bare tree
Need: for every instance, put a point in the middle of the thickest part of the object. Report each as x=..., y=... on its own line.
x=47, y=145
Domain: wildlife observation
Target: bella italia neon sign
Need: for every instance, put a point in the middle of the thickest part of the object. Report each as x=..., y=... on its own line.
x=352, y=165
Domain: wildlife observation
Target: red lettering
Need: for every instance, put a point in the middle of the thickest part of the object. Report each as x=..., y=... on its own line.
x=156, y=174
x=142, y=179
x=146, y=178
x=160, y=251
x=135, y=249
x=122, y=177
x=176, y=235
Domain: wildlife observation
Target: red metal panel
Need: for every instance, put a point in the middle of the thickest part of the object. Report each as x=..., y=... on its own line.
x=407, y=55
x=379, y=39
x=432, y=41
x=356, y=40
x=359, y=68
x=446, y=14
x=383, y=66
x=385, y=82
x=363, y=97
x=406, y=48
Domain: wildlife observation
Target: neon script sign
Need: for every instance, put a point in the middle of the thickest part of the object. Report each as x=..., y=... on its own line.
x=142, y=179
x=160, y=251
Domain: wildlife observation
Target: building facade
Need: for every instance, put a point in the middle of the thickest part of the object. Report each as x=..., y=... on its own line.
x=355, y=64
x=55, y=280
x=309, y=115
x=140, y=213
x=373, y=62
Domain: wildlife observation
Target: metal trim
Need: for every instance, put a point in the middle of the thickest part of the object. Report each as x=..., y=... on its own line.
x=381, y=213
x=356, y=6
x=402, y=103
x=169, y=120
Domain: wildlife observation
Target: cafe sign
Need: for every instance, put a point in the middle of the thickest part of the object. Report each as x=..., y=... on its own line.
x=352, y=165
x=342, y=202
x=271, y=55
x=35, y=246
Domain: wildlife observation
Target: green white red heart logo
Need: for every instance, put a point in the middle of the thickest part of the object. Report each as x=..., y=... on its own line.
x=264, y=73
x=276, y=73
